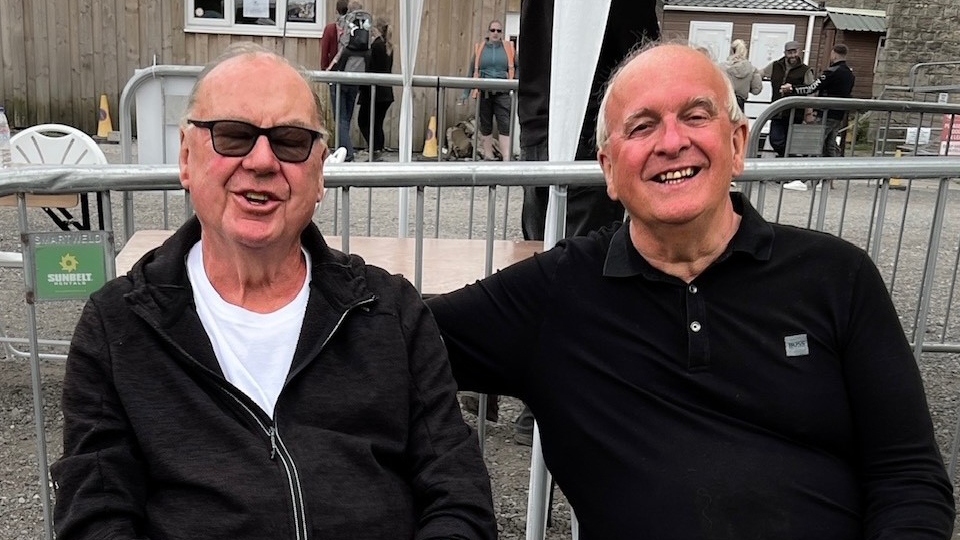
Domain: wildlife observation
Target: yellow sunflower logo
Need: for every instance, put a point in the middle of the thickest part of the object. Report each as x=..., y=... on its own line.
x=68, y=263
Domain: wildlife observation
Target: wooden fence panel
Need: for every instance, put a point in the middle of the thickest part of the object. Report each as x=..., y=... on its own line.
x=59, y=56
x=73, y=45
x=58, y=52
x=13, y=47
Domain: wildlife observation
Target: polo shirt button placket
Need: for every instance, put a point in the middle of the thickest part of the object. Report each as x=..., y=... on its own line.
x=692, y=288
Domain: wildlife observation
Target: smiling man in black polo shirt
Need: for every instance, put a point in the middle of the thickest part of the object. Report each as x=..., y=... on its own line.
x=699, y=373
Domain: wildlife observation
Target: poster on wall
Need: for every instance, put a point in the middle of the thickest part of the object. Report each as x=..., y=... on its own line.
x=255, y=9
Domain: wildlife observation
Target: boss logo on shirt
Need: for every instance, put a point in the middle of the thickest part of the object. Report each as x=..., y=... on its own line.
x=796, y=345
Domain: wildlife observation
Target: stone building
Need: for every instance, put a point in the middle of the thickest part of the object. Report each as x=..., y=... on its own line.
x=918, y=31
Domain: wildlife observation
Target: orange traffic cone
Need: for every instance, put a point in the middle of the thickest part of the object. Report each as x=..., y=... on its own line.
x=104, y=124
x=430, y=142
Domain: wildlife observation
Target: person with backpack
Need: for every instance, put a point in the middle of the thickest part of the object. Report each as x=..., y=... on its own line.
x=353, y=55
x=381, y=61
x=329, y=41
x=494, y=58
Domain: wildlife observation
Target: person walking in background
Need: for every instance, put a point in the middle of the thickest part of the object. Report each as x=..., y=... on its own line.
x=744, y=76
x=493, y=58
x=328, y=41
x=245, y=381
x=381, y=61
x=329, y=46
x=353, y=55
x=789, y=68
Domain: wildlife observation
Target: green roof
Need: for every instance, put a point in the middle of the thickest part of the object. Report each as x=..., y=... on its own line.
x=858, y=20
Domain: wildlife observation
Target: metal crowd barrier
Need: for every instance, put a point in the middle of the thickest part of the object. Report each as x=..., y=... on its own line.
x=335, y=78
x=929, y=178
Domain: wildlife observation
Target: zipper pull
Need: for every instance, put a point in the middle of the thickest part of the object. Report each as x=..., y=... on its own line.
x=273, y=442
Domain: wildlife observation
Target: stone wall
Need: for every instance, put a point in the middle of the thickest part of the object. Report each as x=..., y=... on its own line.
x=918, y=31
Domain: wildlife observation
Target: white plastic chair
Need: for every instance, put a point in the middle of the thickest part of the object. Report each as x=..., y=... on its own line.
x=47, y=144
x=55, y=144
x=337, y=156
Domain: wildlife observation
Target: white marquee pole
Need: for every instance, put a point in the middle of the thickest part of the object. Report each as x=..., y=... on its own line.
x=570, y=82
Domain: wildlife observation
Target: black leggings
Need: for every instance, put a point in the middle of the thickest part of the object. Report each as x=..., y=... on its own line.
x=363, y=121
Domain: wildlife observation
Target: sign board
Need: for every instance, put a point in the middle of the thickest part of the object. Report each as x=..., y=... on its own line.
x=68, y=265
x=917, y=136
x=160, y=105
x=950, y=136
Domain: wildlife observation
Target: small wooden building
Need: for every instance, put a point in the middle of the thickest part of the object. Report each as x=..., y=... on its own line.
x=765, y=25
x=864, y=32
x=59, y=56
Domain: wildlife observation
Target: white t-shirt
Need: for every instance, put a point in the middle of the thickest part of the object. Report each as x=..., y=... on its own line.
x=254, y=350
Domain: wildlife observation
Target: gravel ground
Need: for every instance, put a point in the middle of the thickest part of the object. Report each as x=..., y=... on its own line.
x=21, y=514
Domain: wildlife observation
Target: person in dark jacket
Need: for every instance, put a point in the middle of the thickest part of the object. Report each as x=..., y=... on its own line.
x=381, y=61
x=835, y=81
x=246, y=381
x=697, y=372
x=788, y=69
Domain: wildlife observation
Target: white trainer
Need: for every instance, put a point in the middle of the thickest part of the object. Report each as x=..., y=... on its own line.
x=796, y=185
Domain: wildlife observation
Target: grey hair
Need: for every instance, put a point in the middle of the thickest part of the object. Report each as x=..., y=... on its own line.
x=603, y=132
x=247, y=48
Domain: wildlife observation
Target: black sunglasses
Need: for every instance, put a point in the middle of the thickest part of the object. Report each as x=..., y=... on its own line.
x=497, y=30
x=233, y=138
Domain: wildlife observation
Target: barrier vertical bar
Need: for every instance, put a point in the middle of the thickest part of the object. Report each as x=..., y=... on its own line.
x=345, y=237
x=30, y=287
x=930, y=267
x=903, y=221
x=540, y=480
x=418, y=239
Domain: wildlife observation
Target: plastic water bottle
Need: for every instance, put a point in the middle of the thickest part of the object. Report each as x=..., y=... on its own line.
x=5, y=158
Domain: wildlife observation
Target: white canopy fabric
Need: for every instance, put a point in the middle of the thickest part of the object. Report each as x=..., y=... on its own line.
x=570, y=90
x=570, y=84
x=411, y=12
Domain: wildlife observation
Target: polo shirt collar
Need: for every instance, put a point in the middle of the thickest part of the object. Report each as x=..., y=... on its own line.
x=754, y=237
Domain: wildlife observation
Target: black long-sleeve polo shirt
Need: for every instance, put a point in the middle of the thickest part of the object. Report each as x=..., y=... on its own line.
x=774, y=396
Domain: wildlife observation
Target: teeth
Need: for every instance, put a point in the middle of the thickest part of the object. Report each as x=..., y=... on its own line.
x=256, y=197
x=677, y=175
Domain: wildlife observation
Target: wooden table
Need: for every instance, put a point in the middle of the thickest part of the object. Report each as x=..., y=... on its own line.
x=448, y=263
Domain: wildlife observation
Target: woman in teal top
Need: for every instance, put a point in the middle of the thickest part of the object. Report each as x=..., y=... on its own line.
x=494, y=58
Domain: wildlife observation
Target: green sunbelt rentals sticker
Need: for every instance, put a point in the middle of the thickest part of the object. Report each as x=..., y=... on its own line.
x=69, y=271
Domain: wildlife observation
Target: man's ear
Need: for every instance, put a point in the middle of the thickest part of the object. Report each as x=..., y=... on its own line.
x=739, y=143
x=606, y=165
x=183, y=160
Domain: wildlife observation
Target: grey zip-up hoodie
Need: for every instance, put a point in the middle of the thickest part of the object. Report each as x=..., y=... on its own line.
x=745, y=78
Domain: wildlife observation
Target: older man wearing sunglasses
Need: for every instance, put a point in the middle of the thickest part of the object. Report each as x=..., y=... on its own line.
x=244, y=380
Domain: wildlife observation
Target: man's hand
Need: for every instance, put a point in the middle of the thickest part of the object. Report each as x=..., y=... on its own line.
x=786, y=88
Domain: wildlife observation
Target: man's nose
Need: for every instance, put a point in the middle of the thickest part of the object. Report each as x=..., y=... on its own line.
x=674, y=137
x=261, y=156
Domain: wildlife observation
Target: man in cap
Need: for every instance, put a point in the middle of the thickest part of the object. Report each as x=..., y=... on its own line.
x=787, y=69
